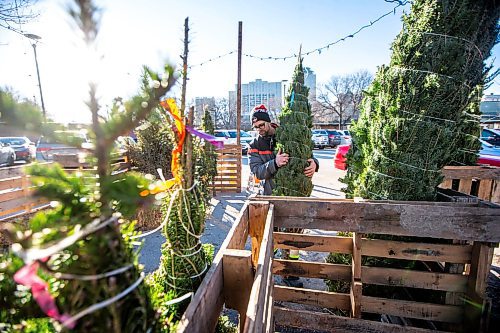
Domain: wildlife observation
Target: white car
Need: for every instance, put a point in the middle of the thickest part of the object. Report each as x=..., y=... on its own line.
x=7, y=154
x=320, y=138
x=229, y=137
x=345, y=137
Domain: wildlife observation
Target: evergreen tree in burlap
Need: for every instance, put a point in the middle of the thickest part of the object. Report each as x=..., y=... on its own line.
x=422, y=111
x=206, y=166
x=293, y=137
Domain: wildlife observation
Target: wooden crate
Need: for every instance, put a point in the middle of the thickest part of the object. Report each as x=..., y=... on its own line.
x=244, y=279
x=480, y=181
x=228, y=177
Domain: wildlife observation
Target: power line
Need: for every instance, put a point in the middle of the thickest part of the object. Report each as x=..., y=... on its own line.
x=319, y=49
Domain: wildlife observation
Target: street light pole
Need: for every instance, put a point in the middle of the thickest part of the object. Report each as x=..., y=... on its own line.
x=35, y=39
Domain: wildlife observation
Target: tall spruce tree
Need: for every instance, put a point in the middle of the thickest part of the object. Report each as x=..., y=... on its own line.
x=422, y=111
x=293, y=137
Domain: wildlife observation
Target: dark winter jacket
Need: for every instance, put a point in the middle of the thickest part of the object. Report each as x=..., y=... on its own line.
x=262, y=161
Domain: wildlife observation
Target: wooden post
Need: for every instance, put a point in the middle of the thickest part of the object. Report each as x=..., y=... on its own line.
x=356, y=285
x=238, y=280
x=476, y=309
x=238, y=89
x=257, y=212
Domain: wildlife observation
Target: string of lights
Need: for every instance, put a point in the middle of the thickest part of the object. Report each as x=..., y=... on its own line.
x=319, y=49
x=327, y=47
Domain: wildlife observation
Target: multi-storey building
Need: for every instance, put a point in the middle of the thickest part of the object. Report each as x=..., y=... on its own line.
x=255, y=93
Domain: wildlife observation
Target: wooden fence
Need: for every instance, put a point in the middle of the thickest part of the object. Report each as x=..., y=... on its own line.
x=16, y=189
x=228, y=177
x=480, y=181
x=244, y=279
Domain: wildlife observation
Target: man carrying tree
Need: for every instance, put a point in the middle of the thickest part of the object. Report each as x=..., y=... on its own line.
x=265, y=163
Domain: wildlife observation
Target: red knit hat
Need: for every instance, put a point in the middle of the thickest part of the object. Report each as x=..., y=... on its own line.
x=260, y=113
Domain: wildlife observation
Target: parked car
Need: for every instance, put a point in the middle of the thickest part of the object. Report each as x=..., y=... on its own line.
x=334, y=138
x=339, y=159
x=48, y=146
x=491, y=136
x=229, y=137
x=345, y=137
x=7, y=154
x=320, y=138
x=489, y=154
x=25, y=149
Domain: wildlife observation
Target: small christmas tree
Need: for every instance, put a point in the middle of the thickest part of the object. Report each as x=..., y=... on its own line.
x=421, y=112
x=294, y=137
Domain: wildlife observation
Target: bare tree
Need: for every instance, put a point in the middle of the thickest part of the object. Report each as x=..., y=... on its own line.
x=360, y=81
x=341, y=96
x=16, y=13
x=223, y=117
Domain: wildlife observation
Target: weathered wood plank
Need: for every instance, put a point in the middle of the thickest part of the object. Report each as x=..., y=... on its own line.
x=331, y=323
x=240, y=234
x=438, y=221
x=291, y=241
x=238, y=280
x=485, y=189
x=356, y=284
x=256, y=304
x=465, y=186
x=464, y=172
x=10, y=183
x=312, y=297
x=312, y=269
x=408, y=309
x=11, y=195
x=258, y=213
x=203, y=312
x=414, y=279
x=416, y=251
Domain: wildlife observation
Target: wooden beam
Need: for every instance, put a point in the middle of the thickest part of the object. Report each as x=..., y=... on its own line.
x=318, y=298
x=240, y=234
x=408, y=219
x=409, y=309
x=238, y=280
x=356, y=284
x=475, y=305
x=312, y=269
x=331, y=323
x=256, y=310
x=414, y=279
x=479, y=172
x=416, y=251
x=203, y=312
x=291, y=241
x=485, y=189
x=465, y=186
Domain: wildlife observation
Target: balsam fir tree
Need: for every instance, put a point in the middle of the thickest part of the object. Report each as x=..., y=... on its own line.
x=294, y=137
x=421, y=112
x=207, y=163
x=79, y=258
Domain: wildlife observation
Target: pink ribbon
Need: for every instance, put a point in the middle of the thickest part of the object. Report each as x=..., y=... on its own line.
x=27, y=276
x=219, y=144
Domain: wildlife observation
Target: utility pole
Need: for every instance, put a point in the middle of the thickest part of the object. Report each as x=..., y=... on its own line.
x=35, y=39
x=238, y=94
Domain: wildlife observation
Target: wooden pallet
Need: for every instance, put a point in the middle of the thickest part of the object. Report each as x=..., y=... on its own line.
x=228, y=177
x=244, y=279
